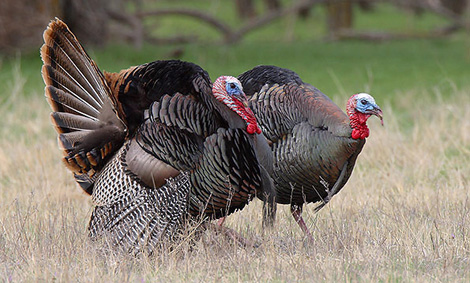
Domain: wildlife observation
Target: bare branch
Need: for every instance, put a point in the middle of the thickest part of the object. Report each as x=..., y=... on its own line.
x=226, y=30
x=137, y=33
x=231, y=35
x=170, y=40
x=272, y=16
x=386, y=36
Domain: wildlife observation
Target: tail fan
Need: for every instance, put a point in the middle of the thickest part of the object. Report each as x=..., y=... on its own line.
x=85, y=113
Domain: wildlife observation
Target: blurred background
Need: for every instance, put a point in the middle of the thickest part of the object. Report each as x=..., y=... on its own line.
x=340, y=46
x=98, y=22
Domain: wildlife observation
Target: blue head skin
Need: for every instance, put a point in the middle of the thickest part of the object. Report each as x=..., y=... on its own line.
x=234, y=87
x=229, y=91
x=365, y=103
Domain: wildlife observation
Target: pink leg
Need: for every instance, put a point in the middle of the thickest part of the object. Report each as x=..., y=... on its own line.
x=231, y=234
x=297, y=214
x=221, y=221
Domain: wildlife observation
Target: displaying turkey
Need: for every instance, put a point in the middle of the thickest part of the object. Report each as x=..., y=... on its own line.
x=154, y=145
x=314, y=143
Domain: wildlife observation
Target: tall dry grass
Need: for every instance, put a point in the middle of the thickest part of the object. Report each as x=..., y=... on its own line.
x=403, y=216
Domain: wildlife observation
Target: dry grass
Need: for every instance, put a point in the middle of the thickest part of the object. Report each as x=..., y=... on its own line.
x=403, y=216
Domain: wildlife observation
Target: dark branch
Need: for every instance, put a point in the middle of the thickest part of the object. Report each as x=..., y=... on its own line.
x=137, y=30
x=212, y=21
x=272, y=16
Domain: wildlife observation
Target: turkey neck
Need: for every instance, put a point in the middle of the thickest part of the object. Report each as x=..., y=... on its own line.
x=233, y=120
x=358, y=123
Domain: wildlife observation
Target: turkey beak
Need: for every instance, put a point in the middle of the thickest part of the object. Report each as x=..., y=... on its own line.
x=242, y=98
x=378, y=112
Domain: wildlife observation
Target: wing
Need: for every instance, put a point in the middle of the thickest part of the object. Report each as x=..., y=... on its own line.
x=311, y=160
x=227, y=175
x=223, y=168
x=186, y=113
x=280, y=101
x=255, y=79
x=173, y=134
x=138, y=87
x=85, y=113
x=279, y=108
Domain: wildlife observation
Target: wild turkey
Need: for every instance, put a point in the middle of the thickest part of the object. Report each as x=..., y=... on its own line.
x=314, y=143
x=154, y=145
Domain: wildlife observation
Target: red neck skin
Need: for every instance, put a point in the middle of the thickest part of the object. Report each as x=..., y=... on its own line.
x=248, y=116
x=357, y=121
x=236, y=105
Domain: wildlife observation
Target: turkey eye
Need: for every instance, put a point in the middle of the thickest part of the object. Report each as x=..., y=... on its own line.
x=232, y=85
x=364, y=102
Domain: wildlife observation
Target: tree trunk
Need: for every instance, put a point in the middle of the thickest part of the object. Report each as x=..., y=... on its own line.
x=366, y=5
x=245, y=9
x=273, y=5
x=456, y=6
x=22, y=23
x=339, y=16
x=88, y=19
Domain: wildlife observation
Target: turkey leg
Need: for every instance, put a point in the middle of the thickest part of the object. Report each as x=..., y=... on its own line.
x=297, y=214
x=231, y=234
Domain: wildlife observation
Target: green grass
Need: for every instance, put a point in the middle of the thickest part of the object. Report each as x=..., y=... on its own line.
x=338, y=69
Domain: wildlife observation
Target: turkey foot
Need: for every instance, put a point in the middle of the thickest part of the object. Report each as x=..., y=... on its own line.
x=231, y=234
x=221, y=221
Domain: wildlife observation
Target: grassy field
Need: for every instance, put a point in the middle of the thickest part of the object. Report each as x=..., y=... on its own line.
x=403, y=216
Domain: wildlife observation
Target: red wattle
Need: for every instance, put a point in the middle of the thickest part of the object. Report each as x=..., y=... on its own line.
x=360, y=133
x=253, y=128
x=358, y=124
x=246, y=114
x=355, y=134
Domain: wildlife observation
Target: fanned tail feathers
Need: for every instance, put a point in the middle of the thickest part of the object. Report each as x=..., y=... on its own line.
x=85, y=117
